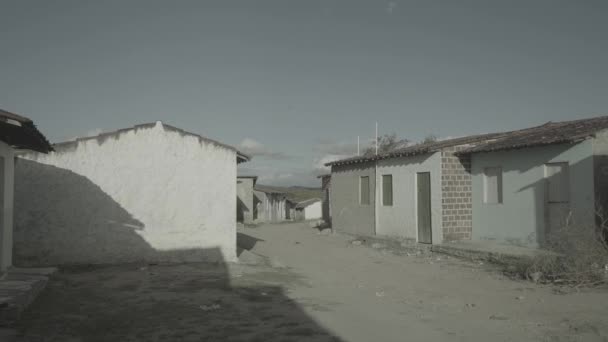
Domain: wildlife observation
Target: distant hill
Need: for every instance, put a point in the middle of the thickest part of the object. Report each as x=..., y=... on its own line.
x=294, y=193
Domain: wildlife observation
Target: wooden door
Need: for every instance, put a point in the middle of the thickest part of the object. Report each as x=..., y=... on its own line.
x=424, y=207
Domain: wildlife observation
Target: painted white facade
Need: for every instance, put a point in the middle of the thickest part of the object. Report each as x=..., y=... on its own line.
x=399, y=220
x=521, y=217
x=314, y=211
x=147, y=193
x=7, y=157
x=270, y=207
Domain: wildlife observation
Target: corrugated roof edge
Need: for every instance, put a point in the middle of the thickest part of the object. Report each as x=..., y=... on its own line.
x=418, y=149
x=165, y=126
x=574, y=135
x=43, y=146
x=307, y=202
x=269, y=191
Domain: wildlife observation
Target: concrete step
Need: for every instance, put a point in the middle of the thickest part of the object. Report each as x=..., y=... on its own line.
x=18, y=289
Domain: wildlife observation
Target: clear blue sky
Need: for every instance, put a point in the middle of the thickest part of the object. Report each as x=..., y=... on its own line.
x=295, y=82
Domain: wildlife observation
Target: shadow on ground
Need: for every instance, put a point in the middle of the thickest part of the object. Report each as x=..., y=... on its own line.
x=188, y=302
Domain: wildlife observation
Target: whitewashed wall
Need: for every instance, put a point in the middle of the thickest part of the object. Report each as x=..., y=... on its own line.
x=314, y=211
x=6, y=205
x=145, y=194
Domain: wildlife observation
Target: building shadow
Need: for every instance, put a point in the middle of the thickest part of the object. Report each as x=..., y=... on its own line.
x=109, y=286
x=241, y=208
x=179, y=302
x=64, y=218
x=245, y=242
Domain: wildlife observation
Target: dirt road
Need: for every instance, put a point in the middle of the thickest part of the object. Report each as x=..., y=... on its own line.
x=309, y=287
x=365, y=294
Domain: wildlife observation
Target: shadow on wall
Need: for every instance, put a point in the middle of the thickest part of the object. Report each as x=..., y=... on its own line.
x=187, y=302
x=240, y=210
x=256, y=206
x=64, y=218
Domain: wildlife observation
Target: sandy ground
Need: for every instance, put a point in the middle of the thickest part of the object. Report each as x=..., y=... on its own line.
x=310, y=287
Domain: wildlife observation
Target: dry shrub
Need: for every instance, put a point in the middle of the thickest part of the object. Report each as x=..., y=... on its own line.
x=581, y=256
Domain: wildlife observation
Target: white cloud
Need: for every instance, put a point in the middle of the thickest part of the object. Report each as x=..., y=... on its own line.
x=392, y=5
x=347, y=148
x=255, y=148
x=319, y=162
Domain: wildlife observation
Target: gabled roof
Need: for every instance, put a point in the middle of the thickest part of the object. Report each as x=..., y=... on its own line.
x=548, y=134
x=304, y=204
x=241, y=157
x=21, y=133
x=422, y=148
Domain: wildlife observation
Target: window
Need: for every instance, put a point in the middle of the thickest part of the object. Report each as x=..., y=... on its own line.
x=387, y=190
x=364, y=190
x=492, y=185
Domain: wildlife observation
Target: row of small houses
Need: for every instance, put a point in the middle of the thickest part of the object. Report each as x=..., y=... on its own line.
x=512, y=187
x=257, y=204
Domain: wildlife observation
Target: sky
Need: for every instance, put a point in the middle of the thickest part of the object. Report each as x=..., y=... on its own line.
x=295, y=82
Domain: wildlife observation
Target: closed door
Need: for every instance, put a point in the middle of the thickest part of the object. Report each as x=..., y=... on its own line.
x=424, y=207
x=557, y=196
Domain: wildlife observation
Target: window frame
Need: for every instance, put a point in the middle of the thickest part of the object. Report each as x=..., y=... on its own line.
x=384, y=199
x=499, y=185
x=361, y=178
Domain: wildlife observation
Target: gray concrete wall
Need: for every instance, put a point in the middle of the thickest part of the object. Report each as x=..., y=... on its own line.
x=147, y=194
x=7, y=174
x=347, y=214
x=326, y=187
x=600, y=175
x=520, y=219
x=244, y=204
x=400, y=220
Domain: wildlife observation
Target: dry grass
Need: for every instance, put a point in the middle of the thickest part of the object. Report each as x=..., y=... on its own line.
x=582, y=257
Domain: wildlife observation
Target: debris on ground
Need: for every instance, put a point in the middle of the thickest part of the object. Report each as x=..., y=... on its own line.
x=326, y=231
x=536, y=276
x=212, y=307
x=499, y=318
x=380, y=294
x=377, y=245
x=357, y=243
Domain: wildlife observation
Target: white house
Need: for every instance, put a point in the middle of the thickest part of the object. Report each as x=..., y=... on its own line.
x=310, y=209
x=152, y=192
x=16, y=133
x=270, y=205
